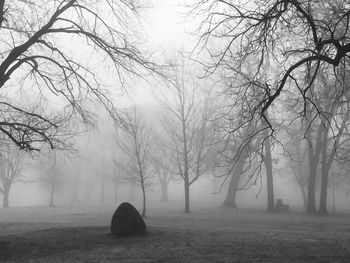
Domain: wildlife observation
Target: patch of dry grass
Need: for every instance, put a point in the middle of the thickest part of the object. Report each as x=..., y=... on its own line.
x=207, y=235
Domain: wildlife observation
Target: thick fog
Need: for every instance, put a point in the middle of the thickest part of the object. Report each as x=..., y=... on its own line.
x=90, y=176
x=207, y=131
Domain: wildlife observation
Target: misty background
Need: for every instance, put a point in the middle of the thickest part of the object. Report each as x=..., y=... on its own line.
x=179, y=130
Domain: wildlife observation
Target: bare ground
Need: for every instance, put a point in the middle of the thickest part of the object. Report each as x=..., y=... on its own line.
x=40, y=234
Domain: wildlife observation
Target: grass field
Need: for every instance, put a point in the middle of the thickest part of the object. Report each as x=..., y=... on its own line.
x=68, y=234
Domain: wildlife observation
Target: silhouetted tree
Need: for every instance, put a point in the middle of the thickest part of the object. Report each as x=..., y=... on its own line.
x=236, y=158
x=51, y=174
x=330, y=145
x=41, y=49
x=297, y=157
x=135, y=144
x=117, y=181
x=267, y=158
x=246, y=138
x=11, y=169
x=289, y=45
x=162, y=162
x=236, y=174
x=186, y=121
x=258, y=31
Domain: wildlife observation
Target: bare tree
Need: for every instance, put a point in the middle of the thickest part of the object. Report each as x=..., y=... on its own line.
x=323, y=129
x=330, y=145
x=259, y=30
x=246, y=140
x=135, y=143
x=235, y=158
x=340, y=179
x=11, y=169
x=236, y=173
x=163, y=163
x=51, y=175
x=289, y=47
x=267, y=158
x=324, y=136
x=243, y=152
x=117, y=181
x=297, y=158
x=187, y=123
x=41, y=49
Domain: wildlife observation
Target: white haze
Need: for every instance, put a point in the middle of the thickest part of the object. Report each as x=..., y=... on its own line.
x=165, y=33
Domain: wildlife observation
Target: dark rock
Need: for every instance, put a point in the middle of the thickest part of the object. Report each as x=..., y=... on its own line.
x=127, y=221
x=280, y=207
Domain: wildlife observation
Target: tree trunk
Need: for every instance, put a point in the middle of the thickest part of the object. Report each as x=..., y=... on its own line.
x=323, y=198
x=164, y=186
x=311, y=202
x=6, y=196
x=102, y=192
x=53, y=185
x=324, y=180
x=144, y=199
x=230, y=200
x=75, y=195
x=313, y=160
x=132, y=191
x=304, y=195
x=116, y=186
x=75, y=191
x=87, y=191
x=328, y=160
x=269, y=176
x=52, y=193
x=187, y=193
x=300, y=178
x=333, y=195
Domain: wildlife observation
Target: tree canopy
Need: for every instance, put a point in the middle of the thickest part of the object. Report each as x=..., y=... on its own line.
x=285, y=43
x=55, y=47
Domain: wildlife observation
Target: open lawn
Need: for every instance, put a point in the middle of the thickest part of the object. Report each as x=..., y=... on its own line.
x=39, y=234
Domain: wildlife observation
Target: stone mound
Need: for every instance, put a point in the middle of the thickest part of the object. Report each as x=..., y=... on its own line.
x=127, y=221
